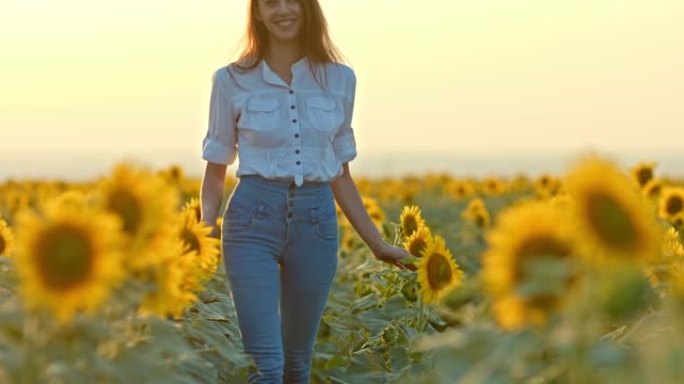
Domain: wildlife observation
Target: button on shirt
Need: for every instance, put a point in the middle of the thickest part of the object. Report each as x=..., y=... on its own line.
x=299, y=131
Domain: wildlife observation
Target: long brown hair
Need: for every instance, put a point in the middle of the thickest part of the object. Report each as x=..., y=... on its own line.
x=314, y=38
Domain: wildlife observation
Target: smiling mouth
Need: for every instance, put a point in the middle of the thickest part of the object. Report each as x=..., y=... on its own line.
x=285, y=23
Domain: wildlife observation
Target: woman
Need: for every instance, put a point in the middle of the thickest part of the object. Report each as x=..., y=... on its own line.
x=285, y=107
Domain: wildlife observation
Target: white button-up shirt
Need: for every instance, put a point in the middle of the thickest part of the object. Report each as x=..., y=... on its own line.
x=277, y=130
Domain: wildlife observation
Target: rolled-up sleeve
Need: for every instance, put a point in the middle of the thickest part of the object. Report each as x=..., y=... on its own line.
x=344, y=143
x=220, y=143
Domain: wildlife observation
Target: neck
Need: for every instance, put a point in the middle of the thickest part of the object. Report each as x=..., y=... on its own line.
x=284, y=53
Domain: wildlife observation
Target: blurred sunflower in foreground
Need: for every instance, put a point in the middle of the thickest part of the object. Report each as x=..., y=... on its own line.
x=530, y=265
x=615, y=222
x=146, y=205
x=69, y=258
x=6, y=239
x=437, y=271
x=175, y=282
x=194, y=205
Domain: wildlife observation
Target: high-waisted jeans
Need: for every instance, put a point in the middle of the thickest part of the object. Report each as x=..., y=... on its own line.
x=280, y=246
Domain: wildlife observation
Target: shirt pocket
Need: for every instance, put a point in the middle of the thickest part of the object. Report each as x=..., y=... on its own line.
x=323, y=112
x=262, y=113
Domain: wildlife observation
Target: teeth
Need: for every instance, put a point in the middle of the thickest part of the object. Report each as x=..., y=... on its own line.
x=285, y=23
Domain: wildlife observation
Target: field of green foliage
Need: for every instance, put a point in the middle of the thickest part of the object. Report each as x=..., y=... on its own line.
x=572, y=278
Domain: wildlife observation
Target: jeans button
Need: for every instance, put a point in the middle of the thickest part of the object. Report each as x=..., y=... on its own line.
x=289, y=214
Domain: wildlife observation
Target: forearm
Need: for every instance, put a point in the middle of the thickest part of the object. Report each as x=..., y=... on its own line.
x=349, y=200
x=211, y=197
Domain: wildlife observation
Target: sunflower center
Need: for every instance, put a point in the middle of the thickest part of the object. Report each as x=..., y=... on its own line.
x=538, y=248
x=480, y=220
x=611, y=223
x=438, y=271
x=176, y=173
x=3, y=244
x=545, y=181
x=127, y=207
x=542, y=275
x=410, y=224
x=191, y=240
x=544, y=302
x=674, y=205
x=644, y=175
x=198, y=212
x=65, y=257
x=417, y=246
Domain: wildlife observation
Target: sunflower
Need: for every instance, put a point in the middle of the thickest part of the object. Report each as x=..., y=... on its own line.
x=671, y=202
x=173, y=174
x=194, y=206
x=392, y=190
x=671, y=255
x=409, y=188
x=481, y=219
x=477, y=213
x=653, y=188
x=677, y=221
x=198, y=244
x=546, y=186
x=529, y=266
x=410, y=219
x=6, y=239
x=418, y=240
x=459, y=189
x=173, y=282
x=438, y=272
x=615, y=222
x=475, y=205
x=69, y=259
x=348, y=241
x=74, y=198
x=16, y=199
x=493, y=186
x=643, y=173
x=146, y=206
x=374, y=211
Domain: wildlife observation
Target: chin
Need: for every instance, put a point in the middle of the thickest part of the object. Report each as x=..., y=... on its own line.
x=288, y=37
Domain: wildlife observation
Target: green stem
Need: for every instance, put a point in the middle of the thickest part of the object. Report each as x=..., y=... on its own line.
x=420, y=314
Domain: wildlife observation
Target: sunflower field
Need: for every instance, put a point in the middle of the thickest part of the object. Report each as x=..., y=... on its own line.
x=569, y=278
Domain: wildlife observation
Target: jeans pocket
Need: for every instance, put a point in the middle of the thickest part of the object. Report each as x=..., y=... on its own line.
x=327, y=229
x=238, y=217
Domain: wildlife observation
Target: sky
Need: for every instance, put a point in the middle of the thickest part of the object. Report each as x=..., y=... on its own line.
x=484, y=77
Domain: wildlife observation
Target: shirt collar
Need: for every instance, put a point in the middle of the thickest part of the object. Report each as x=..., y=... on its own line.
x=272, y=78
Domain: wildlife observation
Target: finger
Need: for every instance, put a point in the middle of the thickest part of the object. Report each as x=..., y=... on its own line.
x=400, y=265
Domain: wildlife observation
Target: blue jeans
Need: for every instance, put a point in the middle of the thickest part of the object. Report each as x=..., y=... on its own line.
x=280, y=246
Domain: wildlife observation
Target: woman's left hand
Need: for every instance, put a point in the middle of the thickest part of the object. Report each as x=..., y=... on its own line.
x=391, y=254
